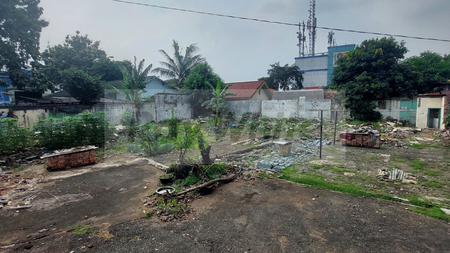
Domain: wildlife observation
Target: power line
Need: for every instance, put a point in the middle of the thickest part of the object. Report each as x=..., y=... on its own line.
x=279, y=22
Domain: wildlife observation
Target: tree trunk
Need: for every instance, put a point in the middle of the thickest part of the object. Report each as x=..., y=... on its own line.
x=217, y=117
x=204, y=151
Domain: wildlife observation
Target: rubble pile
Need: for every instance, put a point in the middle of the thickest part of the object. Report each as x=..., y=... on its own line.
x=25, y=157
x=11, y=184
x=401, y=137
x=396, y=175
x=270, y=160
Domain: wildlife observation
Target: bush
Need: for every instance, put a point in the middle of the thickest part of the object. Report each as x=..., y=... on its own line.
x=83, y=129
x=13, y=137
x=147, y=137
x=129, y=123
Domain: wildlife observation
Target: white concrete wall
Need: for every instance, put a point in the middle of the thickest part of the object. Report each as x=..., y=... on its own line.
x=310, y=109
x=114, y=111
x=315, y=78
x=28, y=118
x=182, y=107
x=244, y=106
x=425, y=103
x=315, y=62
x=279, y=108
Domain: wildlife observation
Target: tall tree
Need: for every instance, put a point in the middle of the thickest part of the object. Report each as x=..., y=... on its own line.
x=108, y=69
x=284, y=77
x=77, y=52
x=180, y=65
x=133, y=85
x=432, y=69
x=20, y=29
x=217, y=102
x=373, y=71
x=82, y=86
x=197, y=85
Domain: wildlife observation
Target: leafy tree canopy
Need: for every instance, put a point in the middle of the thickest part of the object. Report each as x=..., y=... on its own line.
x=180, y=65
x=198, y=83
x=432, y=69
x=284, y=77
x=82, y=86
x=20, y=28
x=373, y=71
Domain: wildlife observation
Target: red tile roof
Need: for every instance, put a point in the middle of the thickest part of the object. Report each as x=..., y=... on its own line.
x=244, y=90
x=272, y=90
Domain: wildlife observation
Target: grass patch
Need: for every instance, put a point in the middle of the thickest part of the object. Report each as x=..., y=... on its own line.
x=414, y=200
x=422, y=146
x=433, y=184
x=434, y=212
x=433, y=173
x=264, y=175
x=318, y=181
x=417, y=164
x=18, y=169
x=316, y=167
x=80, y=229
x=397, y=158
x=148, y=214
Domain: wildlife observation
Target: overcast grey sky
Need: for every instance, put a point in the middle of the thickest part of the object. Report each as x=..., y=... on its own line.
x=240, y=50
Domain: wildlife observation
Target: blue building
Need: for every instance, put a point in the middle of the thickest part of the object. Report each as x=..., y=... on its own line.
x=317, y=69
x=4, y=98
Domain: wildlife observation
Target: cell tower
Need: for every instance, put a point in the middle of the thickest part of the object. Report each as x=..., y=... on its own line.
x=312, y=23
x=301, y=35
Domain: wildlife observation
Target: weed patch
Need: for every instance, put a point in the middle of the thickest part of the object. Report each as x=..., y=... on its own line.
x=433, y=184
x=417, y=164
x=434, y=212
x=18, y=169
x=80, y=229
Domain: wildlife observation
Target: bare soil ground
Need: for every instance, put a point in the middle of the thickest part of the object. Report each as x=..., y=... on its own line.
x=269, y=216
x=252, y=216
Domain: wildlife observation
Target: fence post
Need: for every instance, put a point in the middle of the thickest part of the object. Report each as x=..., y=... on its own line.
x=321, y=125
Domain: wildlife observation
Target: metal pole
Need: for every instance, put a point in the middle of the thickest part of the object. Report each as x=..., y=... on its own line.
x=321, y=124
x=335, y=126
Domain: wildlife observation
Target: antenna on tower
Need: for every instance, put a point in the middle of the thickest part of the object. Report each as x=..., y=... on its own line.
x=312, y=24
x=331, y=40
x=301, y=39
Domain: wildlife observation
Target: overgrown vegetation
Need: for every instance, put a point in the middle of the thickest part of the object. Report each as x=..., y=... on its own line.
x=83, y=129
x=13, y=137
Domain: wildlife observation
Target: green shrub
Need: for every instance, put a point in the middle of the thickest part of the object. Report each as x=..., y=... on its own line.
x=191, y=179
x=13, y=137
x=83, y=129
x=129, y=123
x=147, y=137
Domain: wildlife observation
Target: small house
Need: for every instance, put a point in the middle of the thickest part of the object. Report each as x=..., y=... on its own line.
x=254, y=90
x=431, y=110
x=153, y=86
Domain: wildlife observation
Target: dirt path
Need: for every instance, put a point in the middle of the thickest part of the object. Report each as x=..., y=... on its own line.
x=104, y=194
x=272, y=216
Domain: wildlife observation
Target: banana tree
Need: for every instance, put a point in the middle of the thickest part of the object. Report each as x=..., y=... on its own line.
x=217, y=102
x=133, y=85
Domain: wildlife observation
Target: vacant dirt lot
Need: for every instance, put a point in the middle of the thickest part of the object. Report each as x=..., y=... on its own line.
x=264, y=216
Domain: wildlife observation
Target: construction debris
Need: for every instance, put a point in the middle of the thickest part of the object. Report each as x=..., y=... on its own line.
x=396, y=175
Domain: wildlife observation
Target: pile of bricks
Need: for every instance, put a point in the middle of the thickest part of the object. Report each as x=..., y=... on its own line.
x=361, y=140
x=68, y=158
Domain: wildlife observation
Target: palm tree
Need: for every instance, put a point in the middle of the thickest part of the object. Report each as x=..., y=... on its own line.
x=133, y=85
x=179, y=66
x=217, y=102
